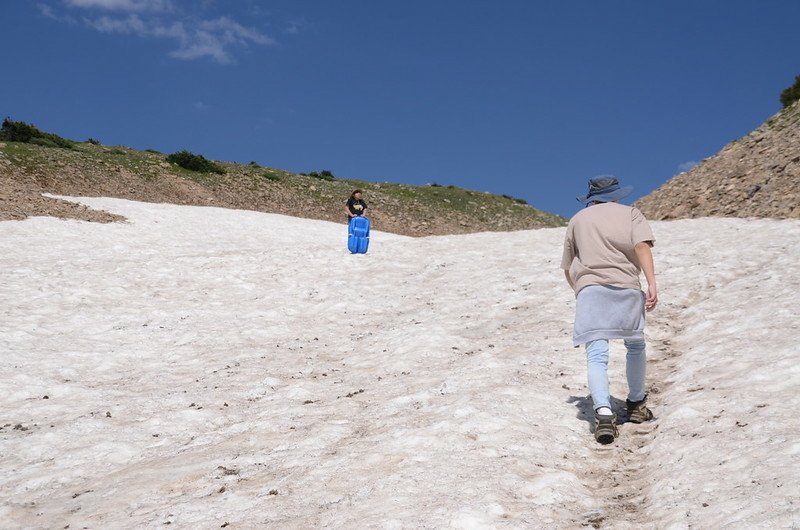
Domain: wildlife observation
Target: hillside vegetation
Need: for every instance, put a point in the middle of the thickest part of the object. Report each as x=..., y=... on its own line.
x=28, y=169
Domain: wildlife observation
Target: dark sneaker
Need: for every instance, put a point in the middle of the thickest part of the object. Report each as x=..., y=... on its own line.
x=605, y=430
x=638, y=412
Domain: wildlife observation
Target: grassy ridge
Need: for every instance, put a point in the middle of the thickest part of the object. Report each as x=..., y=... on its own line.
x=89, y=168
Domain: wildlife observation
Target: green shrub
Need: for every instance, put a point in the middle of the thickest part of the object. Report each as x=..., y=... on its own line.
x=519, y=201
x=17, y=131
x=791, y=94
x=44, y=142
x=271, y=176
x=154, y=151
x=93, y=141
x=194, y=162
x=322, y=175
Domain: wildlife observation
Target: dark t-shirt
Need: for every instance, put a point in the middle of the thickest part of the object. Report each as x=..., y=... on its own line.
x=356, y=206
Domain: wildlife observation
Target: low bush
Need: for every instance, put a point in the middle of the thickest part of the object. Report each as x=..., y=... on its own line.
x=17, y=131
x=93, y=141
x=791, y=94
x=322, y=175
x=271, y=176
x=193, y=162
x=519, y=201
x=44, y=142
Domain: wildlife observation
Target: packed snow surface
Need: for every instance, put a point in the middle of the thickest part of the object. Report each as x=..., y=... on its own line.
x=210, y=368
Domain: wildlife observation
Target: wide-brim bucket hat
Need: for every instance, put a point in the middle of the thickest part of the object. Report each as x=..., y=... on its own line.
x=605, y=188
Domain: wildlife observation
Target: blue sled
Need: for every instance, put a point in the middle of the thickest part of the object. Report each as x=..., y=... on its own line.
x=358, y=235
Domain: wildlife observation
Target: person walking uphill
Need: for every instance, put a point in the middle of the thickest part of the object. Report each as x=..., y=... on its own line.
x=355, y=205
x=606, y=247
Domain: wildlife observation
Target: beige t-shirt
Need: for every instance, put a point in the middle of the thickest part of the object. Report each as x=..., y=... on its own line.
x=598, y=247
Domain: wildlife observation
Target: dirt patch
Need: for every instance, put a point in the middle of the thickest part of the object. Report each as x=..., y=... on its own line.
x=19, y=204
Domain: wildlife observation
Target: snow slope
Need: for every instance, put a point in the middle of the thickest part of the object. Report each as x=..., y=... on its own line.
x=208, y=368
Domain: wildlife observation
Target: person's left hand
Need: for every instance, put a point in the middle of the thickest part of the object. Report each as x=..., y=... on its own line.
x=651, y=299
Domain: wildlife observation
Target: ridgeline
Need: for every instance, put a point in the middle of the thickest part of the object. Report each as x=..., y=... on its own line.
x=40, y=165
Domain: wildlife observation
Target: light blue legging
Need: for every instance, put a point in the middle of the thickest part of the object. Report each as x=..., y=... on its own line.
x=597, y=367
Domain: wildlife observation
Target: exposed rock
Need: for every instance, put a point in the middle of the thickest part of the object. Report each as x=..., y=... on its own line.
x=754, y=176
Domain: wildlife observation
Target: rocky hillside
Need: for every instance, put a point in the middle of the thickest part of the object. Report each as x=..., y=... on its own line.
x=88, y=169
x=755, y=176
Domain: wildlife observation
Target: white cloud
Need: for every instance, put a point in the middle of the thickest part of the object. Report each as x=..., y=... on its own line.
x=207, y=38
x=123, y=5
x=201, y=45
x=194, y=36
x=230, y=31
x=686, y=166
x=48, y=12
x=132, y=24
x=293, y=27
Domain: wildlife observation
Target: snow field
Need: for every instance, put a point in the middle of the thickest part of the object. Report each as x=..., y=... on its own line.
x=200, y=366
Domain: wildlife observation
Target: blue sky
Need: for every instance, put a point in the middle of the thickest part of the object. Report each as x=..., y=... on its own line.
x=515, y=97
